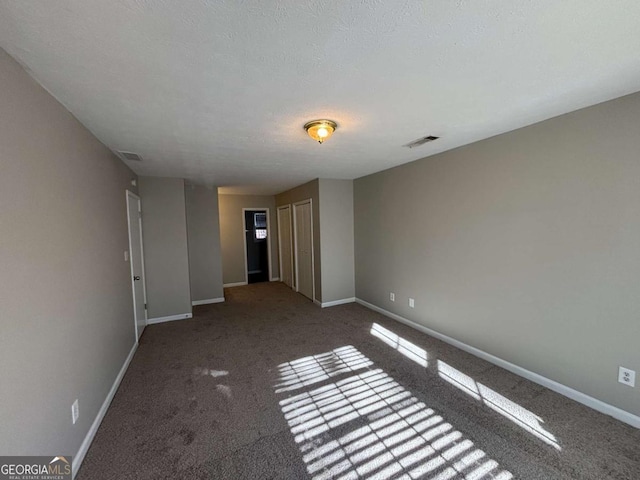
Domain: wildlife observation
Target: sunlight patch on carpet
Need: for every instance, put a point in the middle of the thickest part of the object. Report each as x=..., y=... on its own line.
x=519, y=415
x=366, y=425
x=318, y=368
x=405, y=347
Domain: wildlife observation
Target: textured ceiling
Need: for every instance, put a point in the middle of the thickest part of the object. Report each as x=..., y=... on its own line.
x=217, y=91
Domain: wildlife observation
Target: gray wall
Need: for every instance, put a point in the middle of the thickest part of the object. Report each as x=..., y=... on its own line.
x=525, y=245
x=203, y=231
x=166, y=257
x=232, y=234
x=308, y=190
x=336, y=239
x=66, y=307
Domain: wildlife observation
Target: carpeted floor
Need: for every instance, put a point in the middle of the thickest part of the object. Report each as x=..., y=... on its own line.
x=268, y=385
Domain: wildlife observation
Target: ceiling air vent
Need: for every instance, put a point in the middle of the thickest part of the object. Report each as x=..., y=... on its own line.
x=421, y=141
x=134, y=157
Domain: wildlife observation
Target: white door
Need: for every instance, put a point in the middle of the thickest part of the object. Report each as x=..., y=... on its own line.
x=284, y=241
x=136, y=261
x=303, y=232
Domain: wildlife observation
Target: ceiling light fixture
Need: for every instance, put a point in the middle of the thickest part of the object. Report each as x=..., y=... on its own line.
x=320, y=130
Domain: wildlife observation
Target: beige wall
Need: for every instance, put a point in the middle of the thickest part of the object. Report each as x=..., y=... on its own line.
x=66, y=311
x=303, y=192
x=336, y=239
x=232, y=234
x=525, y=245
x=203, y=230
x=166, y=257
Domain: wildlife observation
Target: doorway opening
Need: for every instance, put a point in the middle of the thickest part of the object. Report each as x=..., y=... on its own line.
x=257, y=245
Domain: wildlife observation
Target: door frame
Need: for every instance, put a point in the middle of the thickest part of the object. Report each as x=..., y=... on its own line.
x=244, y=241
x=283, y=207
x=129, y=195
x=295, y=239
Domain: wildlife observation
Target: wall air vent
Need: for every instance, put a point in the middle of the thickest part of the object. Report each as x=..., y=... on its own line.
x=421, y=141
x=134, y=157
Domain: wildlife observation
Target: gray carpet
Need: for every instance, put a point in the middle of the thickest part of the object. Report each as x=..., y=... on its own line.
x=268, y=385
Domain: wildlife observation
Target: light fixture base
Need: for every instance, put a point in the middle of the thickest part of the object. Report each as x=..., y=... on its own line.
x=320, y=130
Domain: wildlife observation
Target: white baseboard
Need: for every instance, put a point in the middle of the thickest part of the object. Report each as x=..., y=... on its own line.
x=208, y=301
x=317, y=302
x=579, y=397
x=86, y=443
x=237, y=284
x=275, y=279
x=333, y=303
x=170, y=318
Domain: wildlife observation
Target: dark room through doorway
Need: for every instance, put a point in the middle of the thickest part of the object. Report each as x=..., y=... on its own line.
x=257, y=251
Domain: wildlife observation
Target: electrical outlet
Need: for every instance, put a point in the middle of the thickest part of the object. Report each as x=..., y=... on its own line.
x=392, y=297
x=627, y=376
x=75, y=411
x=126, y=256
x=412, y=303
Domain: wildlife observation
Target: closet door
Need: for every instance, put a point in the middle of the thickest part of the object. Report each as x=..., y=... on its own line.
x=303, y=234
x=285, y=240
